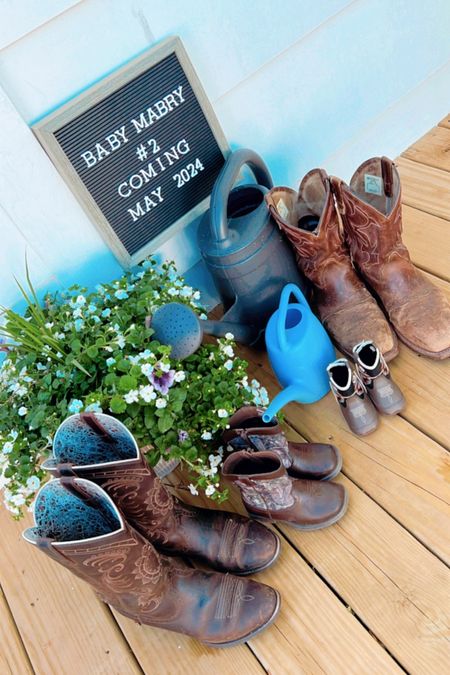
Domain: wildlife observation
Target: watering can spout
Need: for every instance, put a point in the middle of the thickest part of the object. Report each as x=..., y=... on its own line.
x=285, y=396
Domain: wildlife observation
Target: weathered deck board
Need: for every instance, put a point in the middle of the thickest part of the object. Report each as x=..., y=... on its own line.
x=400, y=592
x=425, y=188
x=432, y=149
x=13, y=657
x=161, y=651
x=422, y=234
x=64, y=628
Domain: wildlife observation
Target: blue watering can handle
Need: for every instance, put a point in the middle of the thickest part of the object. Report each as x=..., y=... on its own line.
x=224, y=184
x=282, y=311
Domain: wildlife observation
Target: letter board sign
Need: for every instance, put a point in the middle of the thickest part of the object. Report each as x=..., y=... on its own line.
x=141, y=150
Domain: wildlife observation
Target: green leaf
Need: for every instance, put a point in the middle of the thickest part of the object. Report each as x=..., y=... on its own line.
x=191, y=454
x=92, y=352
x=133, y=410
x=149, y=417
x=165, y=423
x=124, y=365
x=75, y=346
x=177, y=406
x=117, y=405
x=127, y=382
x=110, y=379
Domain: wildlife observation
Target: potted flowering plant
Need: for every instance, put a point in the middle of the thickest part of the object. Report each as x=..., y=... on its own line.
x=81, y=351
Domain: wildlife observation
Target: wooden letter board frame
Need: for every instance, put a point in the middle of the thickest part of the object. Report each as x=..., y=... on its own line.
x=46, y=128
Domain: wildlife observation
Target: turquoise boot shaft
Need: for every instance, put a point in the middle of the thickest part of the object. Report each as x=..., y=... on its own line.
x=299, y=351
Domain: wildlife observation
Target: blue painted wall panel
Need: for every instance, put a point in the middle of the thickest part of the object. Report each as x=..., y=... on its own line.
x=302, y=82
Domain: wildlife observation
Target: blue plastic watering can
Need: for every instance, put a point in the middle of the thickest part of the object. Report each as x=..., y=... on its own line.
x=299, y=351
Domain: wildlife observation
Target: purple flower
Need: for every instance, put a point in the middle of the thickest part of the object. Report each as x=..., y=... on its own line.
x=164, y=382
x=3, y=347
x=182, y=435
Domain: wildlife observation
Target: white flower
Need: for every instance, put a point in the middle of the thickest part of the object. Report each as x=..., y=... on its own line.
x=229, y=336
x=210, y=490
x=179, y=376
x=33, y=483
x=214, y=460
x=110, y=361
x=193, y=490
x=147, y=369
x=165, y=367
x=49, y=325
x=78, y=314
x=22, y=411
x=7, y=448
x=222, y=412
x=132, y=396
x=81, y=300
x=228, y=364
x=196, y=295
x=161, y=403
x=4, y=481
x=120, y=341
x=60, y=336
x=206, y=436
x=228, y=350
x=173, y=291
x=147, y=393
x=203, y=316
x=17, y=500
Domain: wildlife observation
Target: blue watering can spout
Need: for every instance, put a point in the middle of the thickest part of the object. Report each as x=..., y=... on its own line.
x=283, y=398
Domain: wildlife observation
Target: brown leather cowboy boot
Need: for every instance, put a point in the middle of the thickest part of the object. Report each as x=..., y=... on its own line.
x=268, y=493
x=79, y=526
x=100, y=448
x=351, y=395
x=317, y=461
x=375, y=375
x=311, y=223
x=372, y=216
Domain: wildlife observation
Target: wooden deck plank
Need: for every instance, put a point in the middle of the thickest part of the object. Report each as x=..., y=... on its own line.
x=160, y=652
x=64, y=627
x=315, y=623
x=306, y=637
x=13, y=657
x=425, y=188
x=400, y=592
x=399, y=466
x=422, y=234
x=433, y=149
x=445, y=122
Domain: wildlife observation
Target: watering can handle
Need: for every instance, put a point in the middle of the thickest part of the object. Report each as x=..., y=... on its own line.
x=225, y=182
x=282, y=311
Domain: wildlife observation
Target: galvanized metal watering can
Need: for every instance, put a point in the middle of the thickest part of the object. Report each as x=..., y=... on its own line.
x=243, y=248
x=299, y=351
